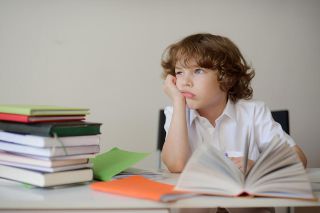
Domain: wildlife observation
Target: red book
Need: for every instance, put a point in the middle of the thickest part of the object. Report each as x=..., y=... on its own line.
x=38, y=119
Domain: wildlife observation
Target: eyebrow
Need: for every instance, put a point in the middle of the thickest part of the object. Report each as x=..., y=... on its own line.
x=178, y=68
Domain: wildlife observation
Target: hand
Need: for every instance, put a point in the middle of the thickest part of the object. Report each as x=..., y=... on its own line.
x=239, y=163
x=171, y=89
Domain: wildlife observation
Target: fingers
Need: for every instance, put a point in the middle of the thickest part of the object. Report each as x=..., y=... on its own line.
x=170, y=80
x=171, y=89
x=169, y=85
x=238, y=161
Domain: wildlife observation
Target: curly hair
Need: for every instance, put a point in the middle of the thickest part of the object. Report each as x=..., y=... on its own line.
x=216, y=53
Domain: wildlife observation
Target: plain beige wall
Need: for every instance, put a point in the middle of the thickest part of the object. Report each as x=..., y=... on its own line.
x=105, y=55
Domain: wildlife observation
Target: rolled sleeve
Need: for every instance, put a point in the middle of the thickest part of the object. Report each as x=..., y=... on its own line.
x=168, y=113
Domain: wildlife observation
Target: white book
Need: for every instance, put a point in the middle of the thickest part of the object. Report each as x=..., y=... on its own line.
x=277, y=173
x=36, y=161
x=43, y=179
x=67, y=157
x=49, y=152
x=47, y=169
x=39, y=141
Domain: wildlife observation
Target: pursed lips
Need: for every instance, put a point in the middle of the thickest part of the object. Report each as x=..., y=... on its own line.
x=188, y=94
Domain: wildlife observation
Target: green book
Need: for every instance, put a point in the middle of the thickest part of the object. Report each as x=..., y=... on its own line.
x=111, y=163
x=35, y=110
x=50, y=129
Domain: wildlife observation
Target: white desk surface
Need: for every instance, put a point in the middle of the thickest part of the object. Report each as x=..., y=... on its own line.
x=14, y=196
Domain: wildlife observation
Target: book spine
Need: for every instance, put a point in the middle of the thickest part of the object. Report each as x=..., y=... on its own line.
x=15, y=110
x=63, y=131
x=14, y=117
x=48, y=130
x=26, y=128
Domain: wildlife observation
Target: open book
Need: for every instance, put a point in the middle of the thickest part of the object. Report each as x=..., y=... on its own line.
x=277, y=173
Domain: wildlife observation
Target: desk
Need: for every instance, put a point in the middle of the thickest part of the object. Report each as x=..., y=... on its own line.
x=14, y=197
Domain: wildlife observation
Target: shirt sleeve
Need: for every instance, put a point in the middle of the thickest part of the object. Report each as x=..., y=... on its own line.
x=266, y=128
x=168, y=113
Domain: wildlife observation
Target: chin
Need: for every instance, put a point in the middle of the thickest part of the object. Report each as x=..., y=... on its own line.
x=192, y=106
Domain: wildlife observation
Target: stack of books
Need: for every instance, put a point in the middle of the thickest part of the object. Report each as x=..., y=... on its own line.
x=47, y=145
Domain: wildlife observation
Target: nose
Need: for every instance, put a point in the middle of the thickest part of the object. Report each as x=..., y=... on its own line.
x=187, y=80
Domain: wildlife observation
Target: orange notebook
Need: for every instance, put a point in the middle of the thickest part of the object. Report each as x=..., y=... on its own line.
x=141, y=187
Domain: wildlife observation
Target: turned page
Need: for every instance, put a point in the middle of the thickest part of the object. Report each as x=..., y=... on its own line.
x=209, y=171
x=278, y=172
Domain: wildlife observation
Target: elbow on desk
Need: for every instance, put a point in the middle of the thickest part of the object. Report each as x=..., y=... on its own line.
x=174, y=164
x=175, y=167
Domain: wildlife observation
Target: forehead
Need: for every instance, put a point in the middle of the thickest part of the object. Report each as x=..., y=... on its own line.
x=186, y=63
x=189, y=58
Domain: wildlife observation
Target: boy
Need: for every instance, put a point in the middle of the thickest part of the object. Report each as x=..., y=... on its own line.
x=208, y=82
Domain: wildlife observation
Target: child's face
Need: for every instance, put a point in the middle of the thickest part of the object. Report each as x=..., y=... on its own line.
x=199, y=86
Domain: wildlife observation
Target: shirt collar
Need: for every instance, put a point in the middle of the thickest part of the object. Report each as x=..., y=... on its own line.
x=229, y=111
x=193, y=114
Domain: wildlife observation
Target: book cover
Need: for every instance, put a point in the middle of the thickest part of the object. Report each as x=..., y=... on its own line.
x=110, y=163
x=277, y=173
x=43, y=179
x=25, y=109
x=49, y=152
x=38, y=161
x=37, y=119
x=50, y=129
x=147, y=173
x=141, y=187
x=40, y=141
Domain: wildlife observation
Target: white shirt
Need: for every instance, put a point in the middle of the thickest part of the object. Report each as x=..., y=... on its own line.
x=239, y=122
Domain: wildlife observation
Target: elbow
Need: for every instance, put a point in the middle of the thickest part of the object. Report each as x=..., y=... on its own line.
x=174, y=165
x=176, y=168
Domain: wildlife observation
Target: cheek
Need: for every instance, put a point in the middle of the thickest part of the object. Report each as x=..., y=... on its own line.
x=178, y=83
x=210, y=90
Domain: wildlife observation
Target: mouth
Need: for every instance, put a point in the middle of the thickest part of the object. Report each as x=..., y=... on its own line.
x=188, y=94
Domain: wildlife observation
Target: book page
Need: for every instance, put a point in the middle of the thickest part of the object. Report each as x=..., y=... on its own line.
x=314, y=174
x=278, y=172
x=246, y=153
x=209, y=171
x=270, y=158
x=289, y=183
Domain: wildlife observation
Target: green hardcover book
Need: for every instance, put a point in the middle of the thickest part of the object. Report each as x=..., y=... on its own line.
x=41, y=110
x=51, y=129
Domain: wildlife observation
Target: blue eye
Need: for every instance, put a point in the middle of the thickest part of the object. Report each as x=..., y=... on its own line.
x=198, y=71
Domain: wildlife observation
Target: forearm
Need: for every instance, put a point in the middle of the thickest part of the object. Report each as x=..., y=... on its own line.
x=176, y=149
x=301, y=155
